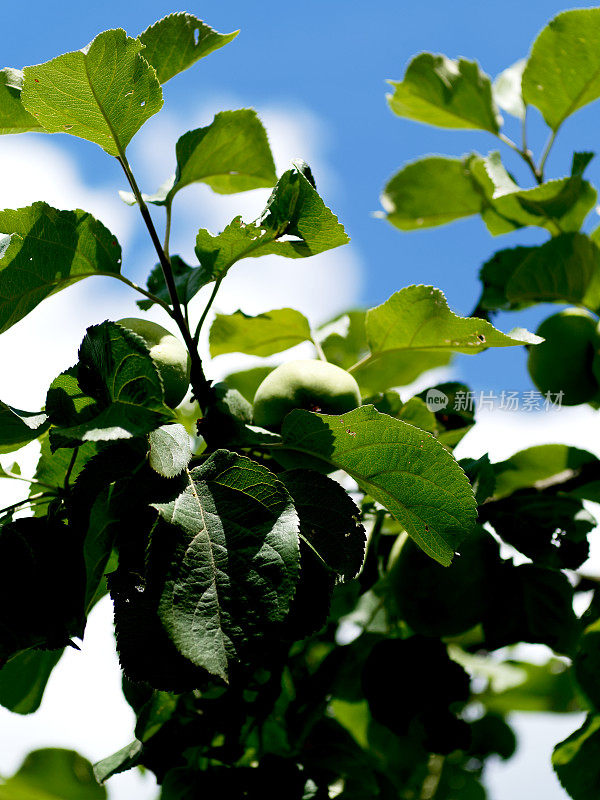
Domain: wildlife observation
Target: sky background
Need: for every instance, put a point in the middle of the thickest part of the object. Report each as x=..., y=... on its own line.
x=316, y=74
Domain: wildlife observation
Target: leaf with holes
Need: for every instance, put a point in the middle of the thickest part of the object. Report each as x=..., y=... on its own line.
x=13, y=116
x=103, y=93
x=177, y=41
x=416, y=325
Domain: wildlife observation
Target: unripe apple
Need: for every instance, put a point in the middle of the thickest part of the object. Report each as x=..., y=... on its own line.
x=168, y=353
x=309, y=384
x=563, y=363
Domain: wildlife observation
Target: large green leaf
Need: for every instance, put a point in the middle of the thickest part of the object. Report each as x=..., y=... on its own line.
x=539, y=466
x=236, y=560
x=24, y=678
x=415, y=330
x=231, y=154
x=18, y=428
x=13, y=117
x=563, y=70
x=576, y=760
x=44, y=251
x=262, y=335
x=565, y=269
x=177, y=41
x=402, y=467
x=53, y=774
x=451, y=94
x=115, y=392
x=103, y=92
x=432, y=191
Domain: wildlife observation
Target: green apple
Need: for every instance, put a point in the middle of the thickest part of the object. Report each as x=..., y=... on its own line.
x=168, y=353
x=564, y=362
x=309, y=384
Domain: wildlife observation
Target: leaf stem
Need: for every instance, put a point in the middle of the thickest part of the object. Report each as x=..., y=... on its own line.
x=70, y=467
x=525, y=154
x=546, y=153
x=200, y=385
x=4, y=473
x=168, y=210
x=318, y=348
x=202, y=319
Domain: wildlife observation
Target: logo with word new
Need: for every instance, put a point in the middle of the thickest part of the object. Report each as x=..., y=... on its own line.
x=436, y=400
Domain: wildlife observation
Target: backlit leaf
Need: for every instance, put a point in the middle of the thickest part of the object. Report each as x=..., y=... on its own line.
x=450, y=94
x=563, y=69
x=103, y=92
x=177, y=41
x=45, y=250
x=402, y=467
x=262, y=335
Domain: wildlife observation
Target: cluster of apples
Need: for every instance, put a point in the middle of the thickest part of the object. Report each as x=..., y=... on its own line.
x=305, y=383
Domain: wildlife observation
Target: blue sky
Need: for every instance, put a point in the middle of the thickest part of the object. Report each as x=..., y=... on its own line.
x=331, y=59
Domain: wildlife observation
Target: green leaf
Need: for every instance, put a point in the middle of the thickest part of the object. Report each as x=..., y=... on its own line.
x=103, y=92
x=188, y=281
x=586, y=663
x=294, y=210
x=495, y=275
x=507, y=92
x=120, y=761
x=231, y=154
x=576, y=760
x=18, y=428
x=329, y=520
x=247, y=381
x=53, y=774
x=44, y=251
x=23, y=679
x=415, y=330
x=450, y=94
x=177, y=41
x=432, y=191
x=563, y=69
x=52, y=467
x=115, y=392
x=400, y=466
x=565, y=269
x=559, y=205
x=345, y=340
x=170, y=450
x=263, y=335
x=236, y=560
x=539, y=466
x=520, y=686
x=13, y=117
